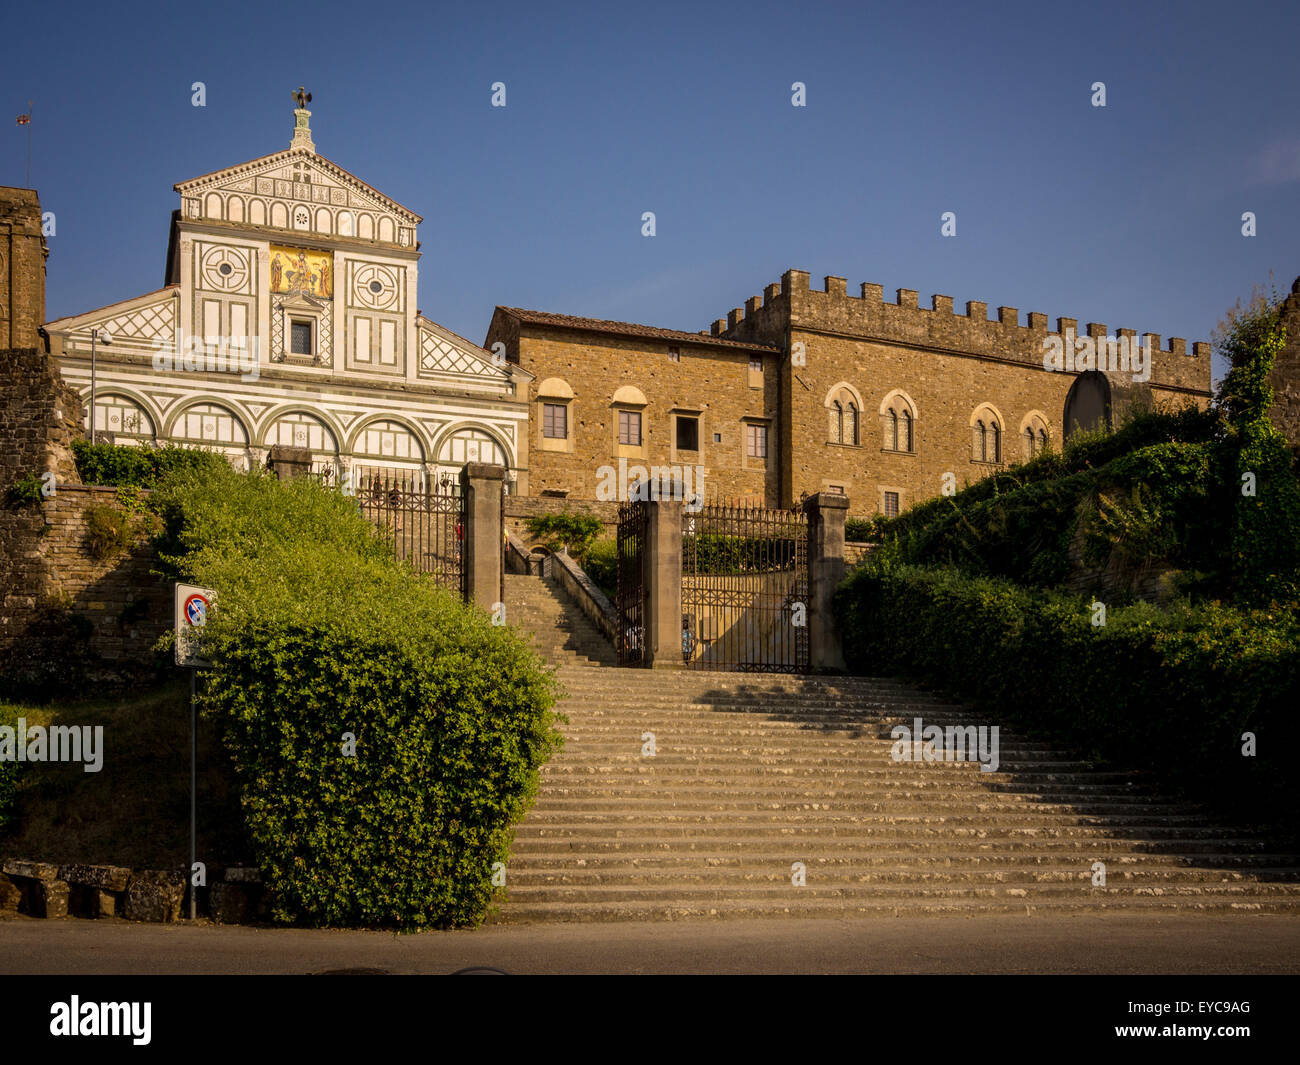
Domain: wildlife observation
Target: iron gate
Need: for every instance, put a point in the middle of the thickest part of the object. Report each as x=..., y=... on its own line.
x=745, y=589
x=427, y=529
x=633, y=519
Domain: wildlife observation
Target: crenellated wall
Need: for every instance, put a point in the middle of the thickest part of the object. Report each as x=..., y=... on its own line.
x=951, y=372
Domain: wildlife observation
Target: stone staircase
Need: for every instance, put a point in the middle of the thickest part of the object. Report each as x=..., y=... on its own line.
x=754, y=773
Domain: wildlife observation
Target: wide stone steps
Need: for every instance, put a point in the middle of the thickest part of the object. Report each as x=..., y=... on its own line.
x=755, y=772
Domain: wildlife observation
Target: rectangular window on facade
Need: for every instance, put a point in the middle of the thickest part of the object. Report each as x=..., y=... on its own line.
x=756, y=441
x=891, y=504
x=835, y=489
x=555, y=421
x=300, y=338
x=756, y=365
x=688, y=434
x=629, y=428
x=674, y=355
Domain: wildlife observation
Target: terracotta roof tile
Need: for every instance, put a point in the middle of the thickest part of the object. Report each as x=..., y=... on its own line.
x=603, y=325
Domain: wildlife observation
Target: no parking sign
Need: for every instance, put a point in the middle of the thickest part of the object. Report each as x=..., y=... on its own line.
x=192, y=606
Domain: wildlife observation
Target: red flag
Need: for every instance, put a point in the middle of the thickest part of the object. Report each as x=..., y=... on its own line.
x=24, y=120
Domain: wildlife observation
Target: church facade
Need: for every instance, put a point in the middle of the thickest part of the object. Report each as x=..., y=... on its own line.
x=289, y=317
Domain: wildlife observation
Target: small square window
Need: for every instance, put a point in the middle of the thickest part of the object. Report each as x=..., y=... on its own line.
x=688, y=434
x=555, y=421
x=756, y=364
x=717, y=438
x=891, y=504
x=300, y=337
x=629, y=428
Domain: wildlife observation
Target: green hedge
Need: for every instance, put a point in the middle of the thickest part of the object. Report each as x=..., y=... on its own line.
x=141, y=467
x=317, y=632
x=1168, y=691
x=600, y=563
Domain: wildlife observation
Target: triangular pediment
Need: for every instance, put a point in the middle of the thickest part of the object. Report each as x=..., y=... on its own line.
x=444, y=354
x=297, y=170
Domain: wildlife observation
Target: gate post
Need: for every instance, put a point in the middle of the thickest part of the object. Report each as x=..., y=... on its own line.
x=482, y=486
x=826, y=512
x=662, y=579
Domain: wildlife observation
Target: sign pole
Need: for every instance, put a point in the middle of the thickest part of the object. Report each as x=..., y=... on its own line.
x=194, y=792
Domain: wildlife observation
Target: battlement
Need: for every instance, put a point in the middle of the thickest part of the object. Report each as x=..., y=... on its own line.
x=831, y=309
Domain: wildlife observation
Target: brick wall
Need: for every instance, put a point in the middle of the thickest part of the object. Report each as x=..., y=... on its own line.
x=520, y=508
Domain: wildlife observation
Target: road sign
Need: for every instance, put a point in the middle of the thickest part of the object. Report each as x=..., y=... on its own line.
x=192, y=606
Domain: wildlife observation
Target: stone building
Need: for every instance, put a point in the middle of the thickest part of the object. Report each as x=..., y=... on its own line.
x=289, y=316
x=804, y=391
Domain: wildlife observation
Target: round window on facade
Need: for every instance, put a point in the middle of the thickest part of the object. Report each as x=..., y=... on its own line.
x=376, y=287
x=225, y=269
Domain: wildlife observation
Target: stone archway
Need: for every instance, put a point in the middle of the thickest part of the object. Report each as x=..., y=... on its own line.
x=1088, y=404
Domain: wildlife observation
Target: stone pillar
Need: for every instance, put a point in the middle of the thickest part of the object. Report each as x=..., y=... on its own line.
x=482, y=485
x=287, y=462
x=662, y=582
x=826, y=512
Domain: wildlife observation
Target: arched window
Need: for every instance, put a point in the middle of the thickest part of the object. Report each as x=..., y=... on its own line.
x=843, y=409
x=898, y=420
x=986, y=435
x=1034, y=431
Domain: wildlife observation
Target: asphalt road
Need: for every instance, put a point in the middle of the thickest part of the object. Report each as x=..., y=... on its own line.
x=1118, y=944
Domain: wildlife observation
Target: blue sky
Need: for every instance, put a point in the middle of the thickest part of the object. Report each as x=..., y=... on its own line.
x=1129, y=215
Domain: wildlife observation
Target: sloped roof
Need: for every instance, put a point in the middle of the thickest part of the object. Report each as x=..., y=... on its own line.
x=650, y=332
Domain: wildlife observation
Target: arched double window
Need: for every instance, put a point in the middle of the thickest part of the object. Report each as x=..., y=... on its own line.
x=898, y=418
x=1033, y=433
x=986, y=435
x=844, y=409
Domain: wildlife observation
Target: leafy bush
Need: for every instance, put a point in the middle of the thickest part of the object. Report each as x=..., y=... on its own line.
x=1172, y=691
x=1265, y=550
x=320, y=637
x=857, y=530
x=108, y=530
x=600, y=563
x=716, y=553
x=24, y=491
x=572, y=532
x=143, y=467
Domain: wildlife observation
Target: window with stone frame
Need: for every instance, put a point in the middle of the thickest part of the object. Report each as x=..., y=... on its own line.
x=300, y=337
x=629, y=428
x=555, y=421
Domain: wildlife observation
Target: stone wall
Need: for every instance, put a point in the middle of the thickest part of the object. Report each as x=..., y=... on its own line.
x=687, y=374
x=947, y=364
x=39, y=419
x=22, y=269
x=520, y=508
